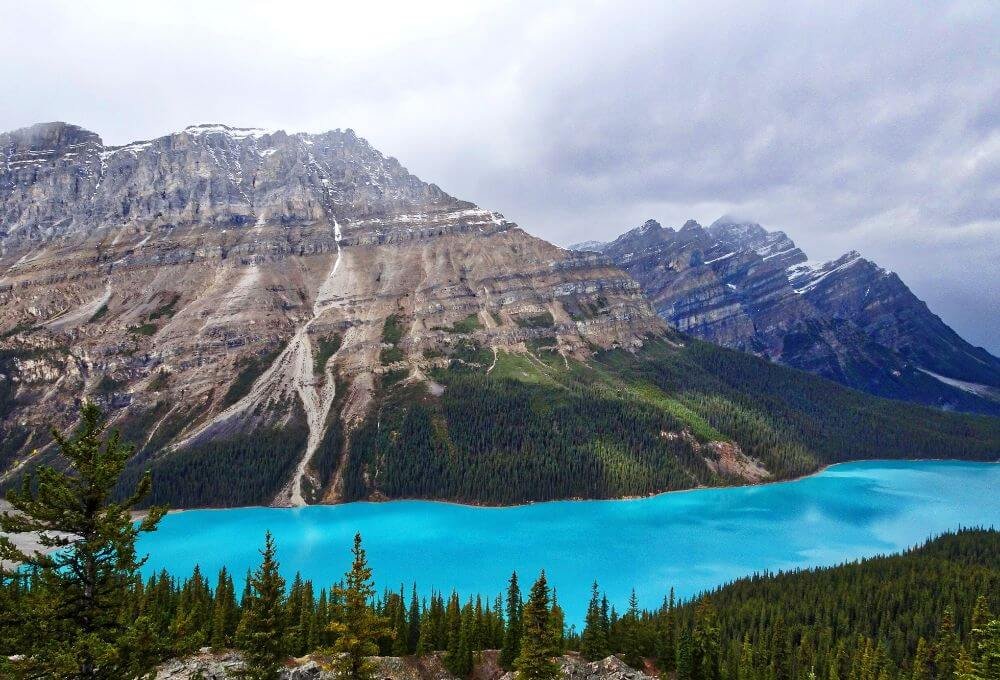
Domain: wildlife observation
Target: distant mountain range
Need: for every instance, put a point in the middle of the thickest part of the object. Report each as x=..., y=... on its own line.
x=280, y=318
x=739, y=285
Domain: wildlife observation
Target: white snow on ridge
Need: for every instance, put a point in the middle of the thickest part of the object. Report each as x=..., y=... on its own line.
x=972, y=388
x=768, y=257
x=809, y=276
x=135, y=148
x=234, y=132
x=720, y=259
x=448, y=216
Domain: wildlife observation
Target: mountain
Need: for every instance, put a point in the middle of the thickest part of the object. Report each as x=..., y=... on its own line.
x=281, y=318
x=741, y=286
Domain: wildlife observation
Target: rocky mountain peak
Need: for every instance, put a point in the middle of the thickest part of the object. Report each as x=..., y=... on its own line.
x=743, y=286
x=52, y=136
x=223, y=280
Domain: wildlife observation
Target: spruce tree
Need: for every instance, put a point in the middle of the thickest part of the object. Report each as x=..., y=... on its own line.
x=981, y=617
x=629, y=638
x=318, y=636
x=77, y=622
x=920, y=669
x=535, y=660
x=496, y=639
x=260, y=633
x=413, y=622
x=453, y=616
x=988, y=662
x=707, y=642
x=557, y=619
x=745, y=668
x=685, y=656
x=224, y=612
x=307, y=620
x=461, y=663
x=512, y=634
x=947, y=645
x=964, y=668
x=292, y=616
x=187, y=628
x=400, y=642
x=667, y=652
x=594, y=640
x=356, y=625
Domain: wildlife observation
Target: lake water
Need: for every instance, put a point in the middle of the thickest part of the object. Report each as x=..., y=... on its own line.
x=690, y=540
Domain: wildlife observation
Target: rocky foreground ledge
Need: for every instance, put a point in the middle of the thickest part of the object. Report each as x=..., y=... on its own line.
x=223, y=666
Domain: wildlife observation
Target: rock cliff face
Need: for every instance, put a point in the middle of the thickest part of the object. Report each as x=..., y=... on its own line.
x=221, y=281
x=739, y=285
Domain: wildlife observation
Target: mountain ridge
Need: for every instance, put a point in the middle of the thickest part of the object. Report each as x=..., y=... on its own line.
x=742, y=286
x=257, y=223
x=286, y=319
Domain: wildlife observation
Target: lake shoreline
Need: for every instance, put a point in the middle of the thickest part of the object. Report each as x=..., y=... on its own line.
x=691, y=542
x=578, y=499
x=30, y=542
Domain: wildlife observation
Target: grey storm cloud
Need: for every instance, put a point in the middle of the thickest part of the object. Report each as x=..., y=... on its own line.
x=868, y=126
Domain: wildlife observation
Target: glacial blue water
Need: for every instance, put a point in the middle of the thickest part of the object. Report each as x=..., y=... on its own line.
x=690, y=540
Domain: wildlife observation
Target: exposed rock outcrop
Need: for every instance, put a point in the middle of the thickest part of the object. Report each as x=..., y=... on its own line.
x=196, y=285
x=222, y=666
x=737, y=284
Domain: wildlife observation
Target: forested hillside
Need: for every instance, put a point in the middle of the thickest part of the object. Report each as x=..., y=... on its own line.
x=535, y=426
x=83, y=611
x=923, y=615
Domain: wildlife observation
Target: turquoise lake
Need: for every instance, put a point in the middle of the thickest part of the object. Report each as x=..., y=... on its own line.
x=690, y=540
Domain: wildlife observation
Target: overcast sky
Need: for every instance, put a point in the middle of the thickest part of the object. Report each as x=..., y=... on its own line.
x=870, y=126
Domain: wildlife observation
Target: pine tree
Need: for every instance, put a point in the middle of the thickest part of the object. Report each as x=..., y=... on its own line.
x=981, y=617
x=630, y=646
x=453, y=617
x=425, y=643
x=964, y=669
x=780, y=662
x=535, y=661
x=594, y=640
x=920, y=669
x=292, y=615
x=947, y=646
x=224, y=611
x=667, y=653
x=745, y=667
x=357, y=626
x=260, y=633
x=988, y=663
x=707, y=642
x=188, y=628
x=307, y=620
x=400, y=642
x=685, y=656
x=558, y=621
x=512, y=634
x=413, y=621
x=78, y=605
x=459, y=660
x=318, y=636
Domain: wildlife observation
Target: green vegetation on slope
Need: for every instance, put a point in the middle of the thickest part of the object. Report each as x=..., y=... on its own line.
x=536, y=427
x=895, y=599
x=326, y=347
x=243, y=468
x=83, y=611
x=392, y=333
